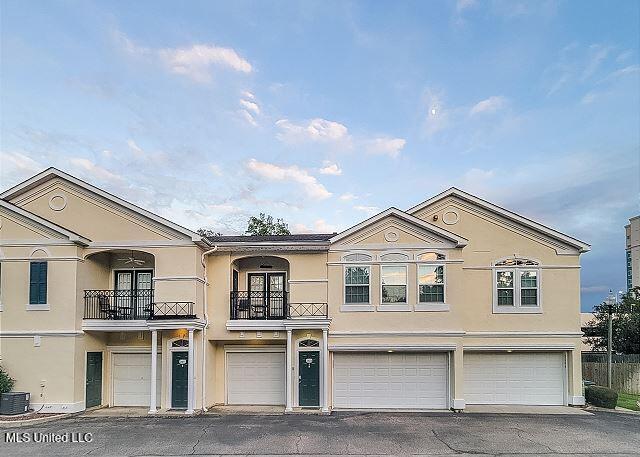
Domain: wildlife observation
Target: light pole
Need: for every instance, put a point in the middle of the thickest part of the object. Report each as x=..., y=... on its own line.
x=610, y=302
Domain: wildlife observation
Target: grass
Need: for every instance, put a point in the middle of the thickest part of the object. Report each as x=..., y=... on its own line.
x=628, y=401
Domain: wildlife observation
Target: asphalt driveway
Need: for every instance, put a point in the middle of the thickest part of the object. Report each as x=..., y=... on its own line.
x=340, y=434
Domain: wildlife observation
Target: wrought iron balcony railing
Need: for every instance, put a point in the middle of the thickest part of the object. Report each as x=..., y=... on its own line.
x=132, y=305
x=259, y=305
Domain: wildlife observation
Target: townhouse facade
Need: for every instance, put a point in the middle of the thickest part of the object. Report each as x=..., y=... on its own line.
x=453, y=302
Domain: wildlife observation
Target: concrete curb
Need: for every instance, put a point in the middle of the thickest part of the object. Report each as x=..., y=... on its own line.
x=616, y=410
x=39, y=420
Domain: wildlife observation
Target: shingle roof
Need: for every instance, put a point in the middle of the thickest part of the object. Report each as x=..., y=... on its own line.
x=301, y=237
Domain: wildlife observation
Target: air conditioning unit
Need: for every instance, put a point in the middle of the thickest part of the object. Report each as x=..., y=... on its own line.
x=14, y=403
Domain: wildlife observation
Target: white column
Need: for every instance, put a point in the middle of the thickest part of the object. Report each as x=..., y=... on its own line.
x=325, y=371
x=288, y=374
x=154, y=371
x=190, y=375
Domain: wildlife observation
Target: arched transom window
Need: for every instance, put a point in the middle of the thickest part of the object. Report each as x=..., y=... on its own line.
x=309, y=344
x=180, y=344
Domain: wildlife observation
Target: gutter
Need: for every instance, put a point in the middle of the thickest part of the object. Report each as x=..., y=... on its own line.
x=206, y=325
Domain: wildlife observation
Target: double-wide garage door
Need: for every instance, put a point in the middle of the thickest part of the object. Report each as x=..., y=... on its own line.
x=406, y=380
x=132, y=379
x=256, y=378
x=514, y=378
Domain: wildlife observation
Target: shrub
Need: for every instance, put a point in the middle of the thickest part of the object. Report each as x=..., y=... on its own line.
x=6, y=381
x=601, y=396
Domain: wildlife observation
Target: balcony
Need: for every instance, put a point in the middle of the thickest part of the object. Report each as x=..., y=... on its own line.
x=260, y=305
x=132, y=305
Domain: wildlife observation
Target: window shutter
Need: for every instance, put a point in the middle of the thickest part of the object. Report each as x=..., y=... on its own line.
x=38, y=283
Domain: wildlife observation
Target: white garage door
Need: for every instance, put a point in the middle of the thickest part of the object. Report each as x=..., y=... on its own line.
x=256, y=378
x=132, y=379
x=514, y=378
x=390, y=380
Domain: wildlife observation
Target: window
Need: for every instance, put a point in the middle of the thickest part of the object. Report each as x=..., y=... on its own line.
x=309, y=344
x=430, y=257
x=394, y=284
x=357, y=257
x=431, y=283
x=38, y=283
x=356, y=284
x=394, y=257
x=517, y=287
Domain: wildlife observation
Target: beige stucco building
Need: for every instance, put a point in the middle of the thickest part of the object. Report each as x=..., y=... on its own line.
x=455, y=301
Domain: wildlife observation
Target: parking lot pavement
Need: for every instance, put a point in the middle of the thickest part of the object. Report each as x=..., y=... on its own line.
x=339, y=434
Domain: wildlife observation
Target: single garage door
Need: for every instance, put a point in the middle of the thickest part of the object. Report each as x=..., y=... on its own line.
x=256, y=378
x=132, y=379
x=514, y=378
x=390, y=380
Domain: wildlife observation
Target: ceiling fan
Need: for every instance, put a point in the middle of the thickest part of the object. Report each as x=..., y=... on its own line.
x=132, y=260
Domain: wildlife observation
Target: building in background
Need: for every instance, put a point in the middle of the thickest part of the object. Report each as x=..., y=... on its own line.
x=633, y=252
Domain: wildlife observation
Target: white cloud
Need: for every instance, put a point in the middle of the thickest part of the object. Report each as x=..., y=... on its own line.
x=490, y=105
x=215, y=169
x=348, y=197
x=320, y=130
x=250, y=106
x=462, y=5
x=247, y=116
x=597, y=54
x=370, y=210
x=17, y=163
x=330, y=169
x=592, y=289
x=319, y=226
x=247, y=94
x=92, y=170
x=194, y=62
x=292, y=173
x=386, y=146
x=137, y=150
x=476, y=179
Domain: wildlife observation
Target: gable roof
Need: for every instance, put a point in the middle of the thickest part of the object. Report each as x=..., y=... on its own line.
x=52, y=172
x=521, y=220
x=457, y=239
x=72, y=236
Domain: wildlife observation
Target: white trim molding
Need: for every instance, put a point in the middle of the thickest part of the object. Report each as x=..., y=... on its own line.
x=458, y=403
x=435, y=307
x=381, y=333
x=178, y=278
x=356, y=308
x=520, y=334
x=297, y=281
x=521, y=348
x=37, y=307
x=392, y=348
x=32, y=333
x=249, y=325
x=394, y=307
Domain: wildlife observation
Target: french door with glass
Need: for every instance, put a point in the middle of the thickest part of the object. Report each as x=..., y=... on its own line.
x=134, y=293
x=267, y=295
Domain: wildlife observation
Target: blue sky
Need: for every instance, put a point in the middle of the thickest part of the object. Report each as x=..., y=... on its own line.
x=324, y=113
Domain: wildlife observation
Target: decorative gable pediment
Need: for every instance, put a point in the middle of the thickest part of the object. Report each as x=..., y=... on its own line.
x=393, y=228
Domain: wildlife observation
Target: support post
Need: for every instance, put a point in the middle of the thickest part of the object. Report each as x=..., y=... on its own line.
x=288, y=377
x=190, y=374
x=325, y=371
x=154, y=371
x=609, y=344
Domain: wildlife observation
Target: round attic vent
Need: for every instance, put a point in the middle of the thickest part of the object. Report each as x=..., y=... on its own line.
x=57, y=202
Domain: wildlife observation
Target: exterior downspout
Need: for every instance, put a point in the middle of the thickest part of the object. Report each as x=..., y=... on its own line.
x=206, y=325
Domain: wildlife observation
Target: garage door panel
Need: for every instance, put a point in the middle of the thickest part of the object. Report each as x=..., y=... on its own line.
x=390, y=380
x=506, y=378
x=132, y=379
x=256, y=378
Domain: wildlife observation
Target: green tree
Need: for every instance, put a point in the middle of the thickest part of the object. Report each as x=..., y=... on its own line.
x=6, y=382
x=207, y=232
x=265, y=225
x=625, y=324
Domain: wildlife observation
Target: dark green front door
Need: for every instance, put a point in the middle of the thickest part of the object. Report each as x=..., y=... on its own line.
x=179, y=382
x=94, y=379
x=309, y=378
